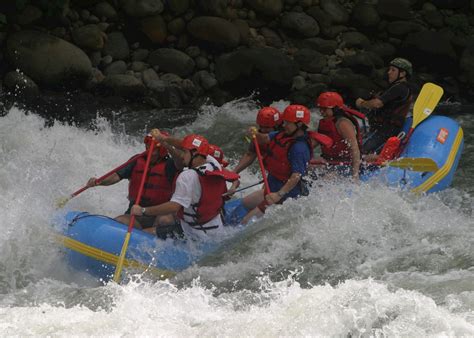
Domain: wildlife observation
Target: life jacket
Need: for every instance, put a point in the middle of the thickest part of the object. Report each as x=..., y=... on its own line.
x=157, y=188
x=276, y=160
x=340, y=149
x=213, y=186
x=395, y=112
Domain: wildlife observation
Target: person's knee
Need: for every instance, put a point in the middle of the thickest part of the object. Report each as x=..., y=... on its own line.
x=168, y=226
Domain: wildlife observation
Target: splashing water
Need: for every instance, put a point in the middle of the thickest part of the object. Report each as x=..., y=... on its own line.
x=346, y=260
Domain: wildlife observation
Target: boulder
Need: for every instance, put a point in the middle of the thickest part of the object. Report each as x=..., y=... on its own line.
x=321, y=45
x=402, y=28
x=216, y=31
x=142, y=8
x=310, y=60
x=154, y=28
x=336, y=12
x=47, y=59
x=214, y=7
x=434, y=48
x=105, y=10
x=365, y=15
x=124, y=85
x=116, y=46
x=20, y=83
x=89, y=37
x=172, y=61
x=178, y=7
x=270, y=64
x=270, y=8
x=300, y=23
x=466, y=62
x=355, y=39
x=395, y=9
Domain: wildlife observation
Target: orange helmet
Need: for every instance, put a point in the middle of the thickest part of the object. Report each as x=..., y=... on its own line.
x=297, y=113
x=218, y=154
x=196, y=142
x=329, y=100
x=148, y=139
x=268, y=117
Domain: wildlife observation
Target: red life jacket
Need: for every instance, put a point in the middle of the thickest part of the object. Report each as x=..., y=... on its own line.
x=276, y=161
x=157, y=189
x=340, y=149
x=213, y=186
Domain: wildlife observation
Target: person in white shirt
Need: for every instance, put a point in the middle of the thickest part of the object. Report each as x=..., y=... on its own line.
x=197, y=199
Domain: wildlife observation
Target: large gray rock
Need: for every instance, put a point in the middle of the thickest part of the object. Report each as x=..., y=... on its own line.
x=355, y=39
x=217, y=31
x=116, y=46
x=89, y=37
x=268, y=63
x=320, y=45
x=266, y=7
x=300, y=23
x=154, y=28
x=466, y=62
x=395, y=9
x=402, y=28
x=124, y=85
x=19, y=82
x=172, y=61
x=310, y=60
x=365, y=15
x=178, y=6
x=430, y=45
x=213, y=7
x=142, y=8
x=47, y=59
x=105, y=10
x=335, y=11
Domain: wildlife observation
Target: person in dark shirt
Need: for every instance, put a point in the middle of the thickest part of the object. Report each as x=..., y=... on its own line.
x=387, y=111
x=158, y=184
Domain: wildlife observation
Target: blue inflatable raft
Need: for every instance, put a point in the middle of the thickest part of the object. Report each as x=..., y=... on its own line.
x=94, y=242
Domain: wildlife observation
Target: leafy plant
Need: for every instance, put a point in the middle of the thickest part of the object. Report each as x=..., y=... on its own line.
x=3, y=20
x=21, y=4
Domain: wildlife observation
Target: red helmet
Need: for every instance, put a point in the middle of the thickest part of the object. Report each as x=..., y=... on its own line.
x=148, y=139
x=329, y=100
x=297, y=113
x=268, y=117
x=218, y=154
x=196, y=142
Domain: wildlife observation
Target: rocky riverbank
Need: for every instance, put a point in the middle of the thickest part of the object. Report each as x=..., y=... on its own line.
x=82, y=54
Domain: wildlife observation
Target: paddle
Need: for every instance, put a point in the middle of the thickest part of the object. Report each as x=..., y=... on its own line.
x=241, y=189
x=425, y=103
x=118, y=268
x=415, y=164
x=260, y=162
x=61, y=202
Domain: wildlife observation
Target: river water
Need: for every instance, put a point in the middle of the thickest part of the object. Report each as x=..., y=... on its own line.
x=348, y=260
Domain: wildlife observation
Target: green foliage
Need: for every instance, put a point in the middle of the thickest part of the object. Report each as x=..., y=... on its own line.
x=3, y=20
x=21, y=4
x=458, y=23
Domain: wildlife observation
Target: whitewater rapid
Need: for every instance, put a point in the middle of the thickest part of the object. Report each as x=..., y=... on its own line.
x=347, y=260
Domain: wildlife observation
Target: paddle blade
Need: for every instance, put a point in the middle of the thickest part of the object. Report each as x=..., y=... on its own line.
x=415, y=164
x=426, y=102
x=61, y=202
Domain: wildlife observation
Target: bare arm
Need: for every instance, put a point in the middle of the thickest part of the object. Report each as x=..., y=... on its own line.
x=112, y=179
x=275, y=197
x=348, y=132
x=157, y=210
x=245, y=161
x=369, y=104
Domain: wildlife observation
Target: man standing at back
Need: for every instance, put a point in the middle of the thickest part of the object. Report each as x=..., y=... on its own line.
x=389, y=109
